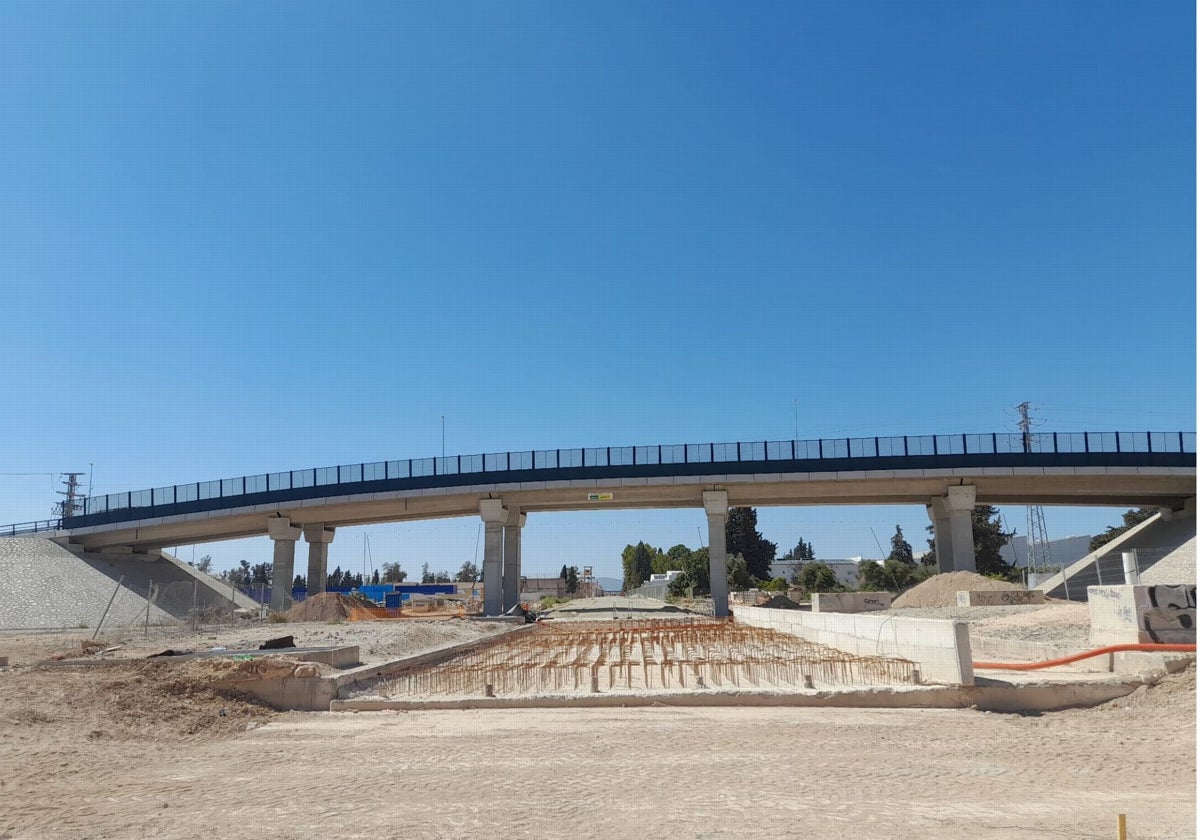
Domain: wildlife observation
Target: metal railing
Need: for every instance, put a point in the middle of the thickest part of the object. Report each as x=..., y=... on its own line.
x=537, y=460
x=22, y=528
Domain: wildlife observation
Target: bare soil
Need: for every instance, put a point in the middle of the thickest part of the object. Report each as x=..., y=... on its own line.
x=152, y=749
x=942, y=590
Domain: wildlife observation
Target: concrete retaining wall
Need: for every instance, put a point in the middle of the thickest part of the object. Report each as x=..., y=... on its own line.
x=851, y=602
x=1142, y=614
x=1003, y=598
x=942, y=649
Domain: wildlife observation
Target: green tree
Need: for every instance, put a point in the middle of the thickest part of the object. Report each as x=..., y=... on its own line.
x=563, y=573
x=572, y=580
x=442, y=577
x=426, y=575
x=695, y=570
x=261, y=573
x=204, y=564
x=1130, y=518
x=392, y=573
x=742, y=537
x=817, y=577
x=677, y=558
x=298, y=582
x=739, y=574
x=636, y=563
x=901, y=551
x=871, y=577
x=802, y=553
x=469, y=573
x=990, y=537
x=375, y=577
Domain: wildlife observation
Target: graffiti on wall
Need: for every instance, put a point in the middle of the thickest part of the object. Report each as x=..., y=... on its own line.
x=1171, y=618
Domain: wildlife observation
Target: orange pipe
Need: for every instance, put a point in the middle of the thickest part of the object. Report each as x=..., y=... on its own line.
x=1049, y=663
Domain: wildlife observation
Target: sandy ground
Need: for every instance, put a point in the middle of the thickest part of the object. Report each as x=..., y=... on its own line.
x=1055, y=622
x=149, y=749
x=378, y=641
x=615, y=773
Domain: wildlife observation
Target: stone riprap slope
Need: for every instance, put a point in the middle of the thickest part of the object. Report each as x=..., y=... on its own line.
x=46, y=586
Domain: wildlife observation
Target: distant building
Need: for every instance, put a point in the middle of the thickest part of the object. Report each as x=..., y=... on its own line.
x=845, y=570
x=666, y=577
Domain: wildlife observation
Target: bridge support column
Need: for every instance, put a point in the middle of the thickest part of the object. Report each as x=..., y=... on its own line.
x=318, y=538
x=512, y=558
x=280, y=530
x=951, y=517
x=494, y=516
x=716, y=506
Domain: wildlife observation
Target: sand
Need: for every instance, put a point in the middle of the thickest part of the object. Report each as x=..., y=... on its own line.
x=614, y=773
x=942, y=590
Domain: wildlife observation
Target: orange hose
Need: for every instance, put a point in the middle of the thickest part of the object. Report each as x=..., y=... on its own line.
x=1049, y=663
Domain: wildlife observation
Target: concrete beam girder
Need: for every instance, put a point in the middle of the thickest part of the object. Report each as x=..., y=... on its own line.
x=1170, y=487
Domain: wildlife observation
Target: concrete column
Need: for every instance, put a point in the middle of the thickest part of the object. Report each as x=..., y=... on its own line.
x=512, y=558
x=318, y=537
x=716, y=506
x=951, y=517
x=494, y=516
x=280, y=530
x=942, y=534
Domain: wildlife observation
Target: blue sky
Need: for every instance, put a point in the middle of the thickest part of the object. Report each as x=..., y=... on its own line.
x=246, y=237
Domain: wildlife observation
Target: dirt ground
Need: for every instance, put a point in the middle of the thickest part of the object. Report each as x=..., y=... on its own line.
x=149, y=749
x=378, y=641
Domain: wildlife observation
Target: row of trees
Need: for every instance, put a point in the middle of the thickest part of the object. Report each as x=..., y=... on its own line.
x=750, y=555
x=570, y=576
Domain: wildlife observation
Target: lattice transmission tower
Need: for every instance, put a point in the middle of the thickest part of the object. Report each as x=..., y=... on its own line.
x=1037, y=541
x=72, y=503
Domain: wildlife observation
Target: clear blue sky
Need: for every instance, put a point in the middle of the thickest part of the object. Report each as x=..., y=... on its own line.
x=239, y=237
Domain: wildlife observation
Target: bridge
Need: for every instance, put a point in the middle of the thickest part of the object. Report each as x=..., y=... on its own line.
x=948, y=474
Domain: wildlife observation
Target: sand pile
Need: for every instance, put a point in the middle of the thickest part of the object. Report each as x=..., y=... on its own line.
x=780, y=602
x=326, y=606
x=942, y=590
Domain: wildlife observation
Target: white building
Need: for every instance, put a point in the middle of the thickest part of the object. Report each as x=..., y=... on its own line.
x=845, y=570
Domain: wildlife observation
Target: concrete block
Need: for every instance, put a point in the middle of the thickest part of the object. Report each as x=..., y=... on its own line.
x=1142, y=614
x=941, y=649
x=851, y=602
x=1005, y=598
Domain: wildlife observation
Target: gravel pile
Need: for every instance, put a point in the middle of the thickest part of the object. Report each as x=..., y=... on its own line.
x=326, y=606
x=942, y=590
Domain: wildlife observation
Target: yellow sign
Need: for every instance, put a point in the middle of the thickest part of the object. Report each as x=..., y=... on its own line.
x=599, y=497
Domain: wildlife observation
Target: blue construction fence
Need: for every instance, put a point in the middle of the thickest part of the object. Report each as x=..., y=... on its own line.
x=390, y=595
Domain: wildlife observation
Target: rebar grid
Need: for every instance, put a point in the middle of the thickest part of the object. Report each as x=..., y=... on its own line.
x=648, y=655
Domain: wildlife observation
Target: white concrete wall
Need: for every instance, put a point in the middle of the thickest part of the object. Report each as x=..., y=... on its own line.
x=941, y=649
x=1002, y=598
x=851, y=602
x=1123, y=615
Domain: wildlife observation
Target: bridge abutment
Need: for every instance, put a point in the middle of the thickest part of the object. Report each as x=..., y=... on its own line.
x=281, y=532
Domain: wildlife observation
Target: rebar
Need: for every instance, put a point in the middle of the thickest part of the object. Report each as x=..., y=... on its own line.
x=647, y=656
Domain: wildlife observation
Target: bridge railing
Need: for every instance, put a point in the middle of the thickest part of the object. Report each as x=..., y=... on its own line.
x=22, y=528
x=690, y=453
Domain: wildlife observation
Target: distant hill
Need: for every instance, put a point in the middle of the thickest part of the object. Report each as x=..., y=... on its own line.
x=610, y=584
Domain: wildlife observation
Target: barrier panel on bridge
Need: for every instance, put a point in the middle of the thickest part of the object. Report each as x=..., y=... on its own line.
x=836, y=449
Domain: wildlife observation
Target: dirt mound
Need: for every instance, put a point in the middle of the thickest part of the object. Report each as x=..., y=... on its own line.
x=942, y=590
x=146, y=700
x=780, y=602
x=326, y=606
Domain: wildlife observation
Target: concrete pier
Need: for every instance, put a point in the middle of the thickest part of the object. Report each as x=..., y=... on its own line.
x=512, y=558
x=284, y=535
x=716, y=507
x=318, y=538
x=951, y=518
x=494, y=516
